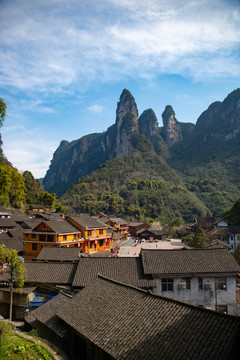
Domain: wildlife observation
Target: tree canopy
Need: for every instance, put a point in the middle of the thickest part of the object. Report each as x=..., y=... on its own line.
x=3, y=108
x=233, y=215
x=199, y=240
x=16, y=268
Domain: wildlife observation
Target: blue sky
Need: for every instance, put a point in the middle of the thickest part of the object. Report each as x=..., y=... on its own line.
x=64, y=64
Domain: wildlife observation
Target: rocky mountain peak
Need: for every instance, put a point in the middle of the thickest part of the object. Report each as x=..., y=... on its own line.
x=171, y=129
x=221, y=121
x=148, y=124
x=126, y=123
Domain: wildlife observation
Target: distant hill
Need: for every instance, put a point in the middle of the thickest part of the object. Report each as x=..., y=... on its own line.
x=178, y=170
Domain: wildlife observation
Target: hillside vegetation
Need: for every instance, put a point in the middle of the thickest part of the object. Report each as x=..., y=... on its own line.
x=139, y=186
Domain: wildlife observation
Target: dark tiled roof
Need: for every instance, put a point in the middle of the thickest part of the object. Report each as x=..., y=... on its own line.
x=188, y=261
x=105, y=253
x=204, y=221
x=133, y=223
x=130, y=324
x=222, y=231
x=219, y=243
x=88, y=222
x=118, y=221
x=7, y=222
x=59, y=254
x=46, y=314
x=50, y=273
x=58, y=226
x=128, y=270
x=18, y=217
x=154, y=232
x=11, y=242
x=32, y=223
x=234, y=229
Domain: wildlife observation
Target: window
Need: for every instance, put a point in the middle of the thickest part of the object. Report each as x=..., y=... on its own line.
x=100, y=231
x=100, y=242
x=221, y=308
x=64, y=237
x=188, y=283
x=50, y=238
x=34, y=247
x=220, y=283
x=200, y=283
x=167, y=284
x=89, y=232
x=33, y=236
x=42, y=237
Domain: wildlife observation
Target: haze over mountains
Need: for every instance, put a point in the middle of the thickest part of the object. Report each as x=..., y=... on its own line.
x=201, y=158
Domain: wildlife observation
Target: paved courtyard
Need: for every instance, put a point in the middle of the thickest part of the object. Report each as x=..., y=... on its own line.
x=131, y=249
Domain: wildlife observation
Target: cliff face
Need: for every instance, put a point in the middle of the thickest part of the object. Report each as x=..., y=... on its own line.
x=172, y=129
x=221, y=121
x=126, y=124
x=80, y=157
x=148, y=124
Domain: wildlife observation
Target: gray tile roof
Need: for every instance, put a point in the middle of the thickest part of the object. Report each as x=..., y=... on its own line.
x=12, y=242
x=58, y=226
x=104, y=253
x=129, y=323
x=59, y=254
x=128, y=270
x=118, y=220
x=46, y=314
x=88, y=222
x=134, y=223
x=50, y=273
x=188, y=261
x=7, y=222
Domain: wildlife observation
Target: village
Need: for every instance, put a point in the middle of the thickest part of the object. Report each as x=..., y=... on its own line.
x=100, y=287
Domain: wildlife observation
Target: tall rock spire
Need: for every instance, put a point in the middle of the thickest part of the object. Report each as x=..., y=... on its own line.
x=172, y=130
x=126, y=123
x=148, y=124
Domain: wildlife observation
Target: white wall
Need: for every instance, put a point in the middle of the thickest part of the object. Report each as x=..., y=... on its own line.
x=234, y=241
x=203, y=297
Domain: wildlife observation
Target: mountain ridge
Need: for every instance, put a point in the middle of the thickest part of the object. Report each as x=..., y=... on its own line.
x=184, y=147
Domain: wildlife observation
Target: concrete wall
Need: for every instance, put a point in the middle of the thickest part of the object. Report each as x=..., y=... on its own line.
x=207, y=298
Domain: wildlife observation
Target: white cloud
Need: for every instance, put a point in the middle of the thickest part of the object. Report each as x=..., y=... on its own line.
x=49, y=45
x=95, y=108
x=27, y=149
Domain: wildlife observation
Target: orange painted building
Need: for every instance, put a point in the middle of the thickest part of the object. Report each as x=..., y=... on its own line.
x=52, y=233
x=96, y=237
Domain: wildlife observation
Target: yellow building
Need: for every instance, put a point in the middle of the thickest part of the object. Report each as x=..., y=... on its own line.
x=96, y=237
x=50, y=233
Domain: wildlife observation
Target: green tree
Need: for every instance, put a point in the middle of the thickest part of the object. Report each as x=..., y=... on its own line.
x=33, y=188
x=199, y=240
x=233, y=215
x=61, y=208
x=3, y=108
x=48, y=200
x=5, y=183
x=17, y=191
x=16, y=269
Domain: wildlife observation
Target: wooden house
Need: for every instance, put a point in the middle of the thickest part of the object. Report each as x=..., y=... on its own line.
x=95, y=234
x=54, y=233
